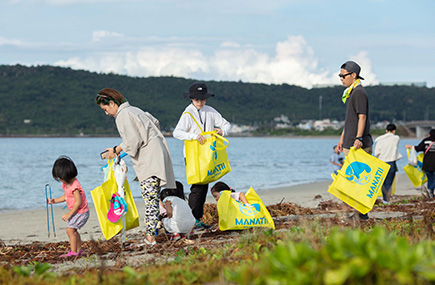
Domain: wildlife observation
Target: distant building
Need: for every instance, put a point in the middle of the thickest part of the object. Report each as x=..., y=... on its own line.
x=380, y=125
x=305, y=125
x=326, y=124
x=282, y=122
x=238, y=129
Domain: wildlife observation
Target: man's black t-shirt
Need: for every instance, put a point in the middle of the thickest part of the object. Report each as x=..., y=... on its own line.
x=429, y=157
x=357, y=103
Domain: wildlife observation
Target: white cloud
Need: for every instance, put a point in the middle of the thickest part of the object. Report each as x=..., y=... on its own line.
x=363, y=60
x=294, y=62
x=230, y=45
x=101, y=35
x=5, y=41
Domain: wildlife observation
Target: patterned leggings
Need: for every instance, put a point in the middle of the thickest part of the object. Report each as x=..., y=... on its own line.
x=150, y=188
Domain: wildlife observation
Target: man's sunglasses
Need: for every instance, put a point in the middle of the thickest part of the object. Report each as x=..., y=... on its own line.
x=344, y=75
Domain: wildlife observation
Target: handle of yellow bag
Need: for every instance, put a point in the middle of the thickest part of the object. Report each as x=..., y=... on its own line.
x=407, y=151
x=224, y=139
x=199, y=127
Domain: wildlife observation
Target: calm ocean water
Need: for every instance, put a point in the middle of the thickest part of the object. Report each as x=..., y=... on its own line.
x=262, y=163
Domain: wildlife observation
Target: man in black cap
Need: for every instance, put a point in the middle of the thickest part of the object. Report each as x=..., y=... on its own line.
x=356, y=131
x=195, y=119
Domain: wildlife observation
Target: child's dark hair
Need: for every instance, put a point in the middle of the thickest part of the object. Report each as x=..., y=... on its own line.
x=179, y=192
x=64, y=168
x=220, y=186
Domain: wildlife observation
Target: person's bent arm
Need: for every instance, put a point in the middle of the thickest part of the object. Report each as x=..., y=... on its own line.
x=76, y=206
x=168, y=206
x=340, y=142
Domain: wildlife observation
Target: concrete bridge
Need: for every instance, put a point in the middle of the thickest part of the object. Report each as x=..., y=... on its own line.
x=419, y=129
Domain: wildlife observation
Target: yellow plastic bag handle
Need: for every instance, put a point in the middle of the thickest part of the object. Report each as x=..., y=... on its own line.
x=222, y=138
x=213, y=133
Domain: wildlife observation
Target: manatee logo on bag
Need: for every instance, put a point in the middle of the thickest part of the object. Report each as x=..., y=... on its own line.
x=249, y=211
x=218, y=168
x=214, y=152
x=358, y=172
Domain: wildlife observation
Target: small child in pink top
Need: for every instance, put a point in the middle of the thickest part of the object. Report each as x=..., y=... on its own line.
x=65, y=171
x=221, y=186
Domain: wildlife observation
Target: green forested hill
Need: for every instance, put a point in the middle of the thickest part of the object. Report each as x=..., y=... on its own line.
x=61, y=101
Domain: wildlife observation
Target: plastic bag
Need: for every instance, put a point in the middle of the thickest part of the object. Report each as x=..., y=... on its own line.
x=412, y=156
x=101, y=197
x=414, y=172
x=360, y=180
x=206, y=162
x=234, y=215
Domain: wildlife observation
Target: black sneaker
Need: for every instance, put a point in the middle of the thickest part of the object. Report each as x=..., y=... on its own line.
x=363, y=217
x=200, y=225
x=359, y=216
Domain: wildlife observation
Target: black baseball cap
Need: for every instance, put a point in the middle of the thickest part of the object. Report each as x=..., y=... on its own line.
x=352, y=66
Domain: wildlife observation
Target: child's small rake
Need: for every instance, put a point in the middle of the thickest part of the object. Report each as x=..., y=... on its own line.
x=48, y=187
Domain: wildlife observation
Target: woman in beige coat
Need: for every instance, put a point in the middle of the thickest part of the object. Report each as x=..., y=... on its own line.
x=147, y=147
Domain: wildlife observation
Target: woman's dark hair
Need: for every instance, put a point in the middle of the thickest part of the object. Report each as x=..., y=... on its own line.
x=179, y=192
x=220, y=186
x=64, y=168
x=432, y=134
x=108, y=94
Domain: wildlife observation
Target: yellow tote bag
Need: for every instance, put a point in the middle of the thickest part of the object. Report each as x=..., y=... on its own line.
x=359, y=181
x=206, y=162
x=234, y=215
x=101, y=197
x=415, y=173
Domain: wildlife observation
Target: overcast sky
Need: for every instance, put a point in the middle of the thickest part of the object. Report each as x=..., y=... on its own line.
x=295, y=42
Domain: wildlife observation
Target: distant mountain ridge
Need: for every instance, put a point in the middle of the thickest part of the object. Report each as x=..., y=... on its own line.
x=56, y=100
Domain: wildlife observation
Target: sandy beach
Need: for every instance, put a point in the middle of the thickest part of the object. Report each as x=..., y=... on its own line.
x=22, y=227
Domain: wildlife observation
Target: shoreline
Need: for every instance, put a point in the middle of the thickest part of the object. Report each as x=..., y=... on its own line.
x=27, y=226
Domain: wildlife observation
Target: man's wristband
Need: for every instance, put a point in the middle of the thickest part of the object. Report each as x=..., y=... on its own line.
x=359, y=138
x=114, y=149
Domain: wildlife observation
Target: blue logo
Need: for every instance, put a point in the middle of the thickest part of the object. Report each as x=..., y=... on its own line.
x=358, y=172
x=249, y=211
x=214, y=152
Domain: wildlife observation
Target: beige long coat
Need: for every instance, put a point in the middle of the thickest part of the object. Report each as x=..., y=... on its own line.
x=145, y=144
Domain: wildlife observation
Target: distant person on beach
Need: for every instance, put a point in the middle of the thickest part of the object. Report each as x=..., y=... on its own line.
x=386, y=149
x=178, y=219
x=65, y=171
x=428, y=146
x=195, y=119
x=221, y=186
x=147, y=147
x=356, y=131
x=337, y=160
